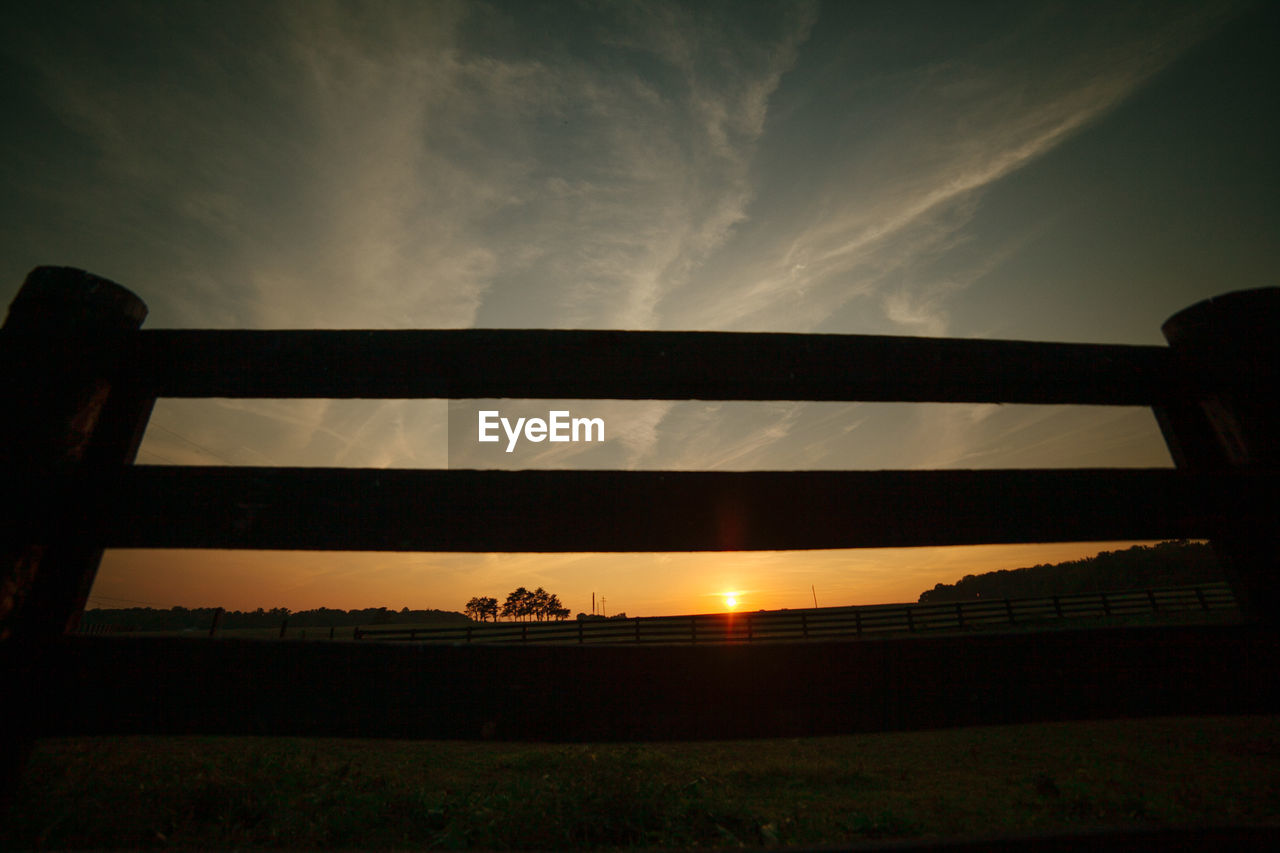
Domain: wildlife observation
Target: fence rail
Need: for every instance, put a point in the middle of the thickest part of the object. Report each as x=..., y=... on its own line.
x=828, y=622
x=80, y=378
x=462, y=510
x=554, y=364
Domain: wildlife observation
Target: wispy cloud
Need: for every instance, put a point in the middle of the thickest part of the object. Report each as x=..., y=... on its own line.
x=643, y=172
x=1021, y=436
x=343, y=433
x=349, y=169
x=902, y=188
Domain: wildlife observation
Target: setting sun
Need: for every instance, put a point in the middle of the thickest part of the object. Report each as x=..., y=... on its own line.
x=730, y=601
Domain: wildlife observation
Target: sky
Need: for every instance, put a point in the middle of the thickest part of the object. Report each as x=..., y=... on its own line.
x=1029, y=170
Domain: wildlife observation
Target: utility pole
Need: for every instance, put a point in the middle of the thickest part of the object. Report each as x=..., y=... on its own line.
x=815, y=596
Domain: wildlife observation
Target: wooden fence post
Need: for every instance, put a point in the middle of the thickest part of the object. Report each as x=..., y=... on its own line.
x=74, y=419
x=1225, y=419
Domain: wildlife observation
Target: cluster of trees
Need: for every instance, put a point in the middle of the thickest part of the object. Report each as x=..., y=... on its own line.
x=182, y=618
x=1174, y=563
x=521, y=604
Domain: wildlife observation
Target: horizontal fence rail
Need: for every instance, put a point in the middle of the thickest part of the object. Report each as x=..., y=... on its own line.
x=532, y=364
x=829, y=622
x=106, y=685
x=407, y=510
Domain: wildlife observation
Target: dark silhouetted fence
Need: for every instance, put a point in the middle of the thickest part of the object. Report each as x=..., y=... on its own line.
x=81, y=377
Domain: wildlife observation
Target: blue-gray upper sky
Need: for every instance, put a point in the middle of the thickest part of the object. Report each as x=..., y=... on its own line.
x=1026, y=170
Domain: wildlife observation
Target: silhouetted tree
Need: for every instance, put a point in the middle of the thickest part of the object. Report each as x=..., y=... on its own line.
x=517, y=604
x=482, y=607
x=1140, y=567
x=537, y=603
x=523, y=604
x=553, y=609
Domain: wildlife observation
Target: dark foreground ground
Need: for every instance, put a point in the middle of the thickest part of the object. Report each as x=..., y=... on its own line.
x=207, y=792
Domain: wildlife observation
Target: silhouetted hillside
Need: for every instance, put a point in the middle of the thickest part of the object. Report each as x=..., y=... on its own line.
x=180, y=618
x=1139, y=567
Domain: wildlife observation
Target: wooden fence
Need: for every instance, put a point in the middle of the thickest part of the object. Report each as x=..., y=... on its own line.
x=873, y=620
x=81, y=377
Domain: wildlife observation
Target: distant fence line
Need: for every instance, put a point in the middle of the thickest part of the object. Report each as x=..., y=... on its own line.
x=100, y=628
x=827, y=623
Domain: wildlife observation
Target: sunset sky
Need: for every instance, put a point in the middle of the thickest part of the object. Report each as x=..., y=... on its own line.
x=1026, y=170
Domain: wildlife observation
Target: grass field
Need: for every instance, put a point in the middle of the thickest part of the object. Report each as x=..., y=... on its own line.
x=201, y=792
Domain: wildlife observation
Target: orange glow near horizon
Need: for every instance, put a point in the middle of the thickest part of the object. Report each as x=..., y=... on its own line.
x=639, y=584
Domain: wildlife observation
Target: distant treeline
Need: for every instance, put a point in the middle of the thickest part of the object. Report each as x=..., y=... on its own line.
x=1140, y=567
x=181, y=618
